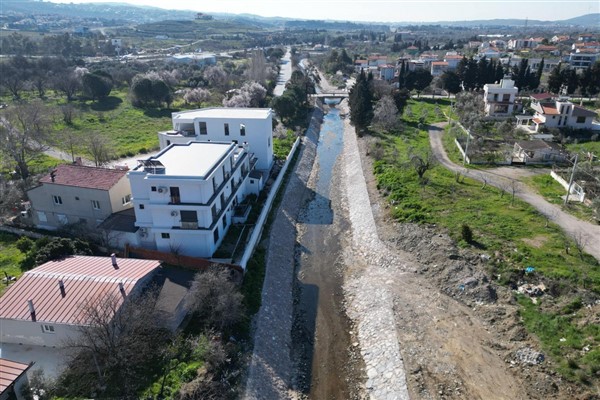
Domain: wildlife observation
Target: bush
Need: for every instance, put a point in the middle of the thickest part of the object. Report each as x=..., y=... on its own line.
x=24, y=244
x=466, y=233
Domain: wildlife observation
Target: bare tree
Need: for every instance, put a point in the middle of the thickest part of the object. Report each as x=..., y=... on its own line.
x=257, y=67
x=216, y=76
x=71, y=141
x=99, y=148
x=386, y=113
x=581, y=240
x=422, y=164
x=116, y=346
x=68, y=112
x=68, y=83
x=24, y=134
x=215, y=299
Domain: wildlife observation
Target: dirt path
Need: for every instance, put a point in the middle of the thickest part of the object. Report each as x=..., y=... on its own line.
x=584, y=232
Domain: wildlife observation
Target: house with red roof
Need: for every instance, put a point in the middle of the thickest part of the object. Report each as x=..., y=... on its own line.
x=551, y=112
x=13, y=375
x=47, y=305
x=72, y=194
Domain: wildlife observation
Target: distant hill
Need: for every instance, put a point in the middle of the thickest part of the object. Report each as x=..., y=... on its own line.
x=588, y=20
x=122, y=12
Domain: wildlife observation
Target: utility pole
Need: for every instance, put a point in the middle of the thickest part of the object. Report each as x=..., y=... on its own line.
x=571, y=180
x=467, y=146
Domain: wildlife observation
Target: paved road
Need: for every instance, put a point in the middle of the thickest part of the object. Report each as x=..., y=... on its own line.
x=587, y=233
x=285, y=73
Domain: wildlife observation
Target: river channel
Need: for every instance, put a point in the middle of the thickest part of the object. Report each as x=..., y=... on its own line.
x=322, y=337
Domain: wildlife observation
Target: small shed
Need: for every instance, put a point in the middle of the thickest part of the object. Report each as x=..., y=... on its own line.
x=538, y=152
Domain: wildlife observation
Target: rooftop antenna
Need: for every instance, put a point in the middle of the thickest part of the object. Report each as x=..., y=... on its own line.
x=526, y=21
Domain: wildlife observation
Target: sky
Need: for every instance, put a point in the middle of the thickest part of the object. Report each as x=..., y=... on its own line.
x=382, y=10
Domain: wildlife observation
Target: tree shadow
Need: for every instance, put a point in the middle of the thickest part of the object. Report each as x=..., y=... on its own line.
x=158, y=112
x=107, y=104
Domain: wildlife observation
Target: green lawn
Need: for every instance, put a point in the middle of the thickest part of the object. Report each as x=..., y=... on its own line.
x=10, y=258
x=593, y=147
x=510, y=228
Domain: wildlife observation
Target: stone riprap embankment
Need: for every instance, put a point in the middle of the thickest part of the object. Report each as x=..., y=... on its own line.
x=271, y=369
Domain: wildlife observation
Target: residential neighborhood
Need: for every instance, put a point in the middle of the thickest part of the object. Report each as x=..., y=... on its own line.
x=299, y=204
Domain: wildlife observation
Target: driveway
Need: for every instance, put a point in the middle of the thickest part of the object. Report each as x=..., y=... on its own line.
x=585, y=232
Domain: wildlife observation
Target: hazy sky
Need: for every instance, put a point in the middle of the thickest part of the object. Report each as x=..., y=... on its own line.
x=382, y=10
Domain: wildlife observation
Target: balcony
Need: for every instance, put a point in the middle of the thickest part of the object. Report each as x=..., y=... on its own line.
x=189, y=224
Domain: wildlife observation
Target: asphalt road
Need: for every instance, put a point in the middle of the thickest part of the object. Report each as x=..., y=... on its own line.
x=584, y=232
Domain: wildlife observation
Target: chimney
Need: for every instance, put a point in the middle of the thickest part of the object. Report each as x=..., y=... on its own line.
x=53, y=175
x=31, y=309
x=113, y=257
x=61, y=285
x=122, y=289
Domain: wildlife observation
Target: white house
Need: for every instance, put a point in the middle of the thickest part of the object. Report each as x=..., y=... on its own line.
x=194, y=58
x=582, y=59
x=79, y=194
x=556, y=113
x=253, y=126
x=499, y=98
x=45, y=306
x=185, y=196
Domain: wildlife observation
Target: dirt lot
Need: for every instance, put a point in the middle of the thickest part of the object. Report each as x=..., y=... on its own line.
x=459, y=332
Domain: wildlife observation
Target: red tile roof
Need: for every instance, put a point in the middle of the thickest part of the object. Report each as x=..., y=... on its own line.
x=549, y=109
x=541, y=96
x=10, y=371
x=439, y=63
x=85, y=177
x=84, y=278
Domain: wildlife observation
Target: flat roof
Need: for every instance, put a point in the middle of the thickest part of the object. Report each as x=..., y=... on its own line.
x=192, y=158
x=224, y=112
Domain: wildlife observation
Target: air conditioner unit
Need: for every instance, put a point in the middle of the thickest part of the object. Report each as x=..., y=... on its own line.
x=143, y=230
x=162, y=189
x=174, y=213
x=143, y=234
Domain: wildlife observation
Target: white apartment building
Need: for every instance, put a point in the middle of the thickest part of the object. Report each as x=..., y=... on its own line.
x=253, y=126
x=186, y=195
x=499, y=98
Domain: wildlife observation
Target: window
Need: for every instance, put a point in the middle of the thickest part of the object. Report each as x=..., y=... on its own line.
x=251, y=180
x=226, y=126
x=42, y=216
x=76, y=197
x=168, y=142
x=269, y=142
x=203, y=129
x=224, y=220
x=141, y=207
x=57, y=200
x=126, y=199
x=175, y=197
x=153, y=188
x=62, y=218
x=48, y=328
x=165, y=235
x=242, y=130
x=95, y=204
x=216, y=235
x=580, y=120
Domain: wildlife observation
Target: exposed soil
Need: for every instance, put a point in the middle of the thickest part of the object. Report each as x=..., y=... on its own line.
x=460, y=333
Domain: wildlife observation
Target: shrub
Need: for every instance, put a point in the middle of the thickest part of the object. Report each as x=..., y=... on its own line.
x=466, y=233
x=24, y=244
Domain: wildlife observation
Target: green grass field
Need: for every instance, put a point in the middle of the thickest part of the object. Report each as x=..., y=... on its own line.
x=10, y=258
x=511, y=228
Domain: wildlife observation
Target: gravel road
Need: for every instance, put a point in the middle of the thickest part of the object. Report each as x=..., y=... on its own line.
x=585, y=232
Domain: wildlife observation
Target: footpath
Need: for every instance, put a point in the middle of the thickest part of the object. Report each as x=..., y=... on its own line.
x=584, y=232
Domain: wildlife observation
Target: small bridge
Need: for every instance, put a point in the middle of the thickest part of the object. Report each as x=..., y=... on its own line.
x=330, y=95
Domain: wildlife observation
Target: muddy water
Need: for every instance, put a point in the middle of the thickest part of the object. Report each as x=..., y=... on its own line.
x=321, y=328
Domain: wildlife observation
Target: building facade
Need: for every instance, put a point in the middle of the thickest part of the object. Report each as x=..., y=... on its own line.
x=253, y=126
x=185, y=196
x=499, y=98
x=73, y=194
